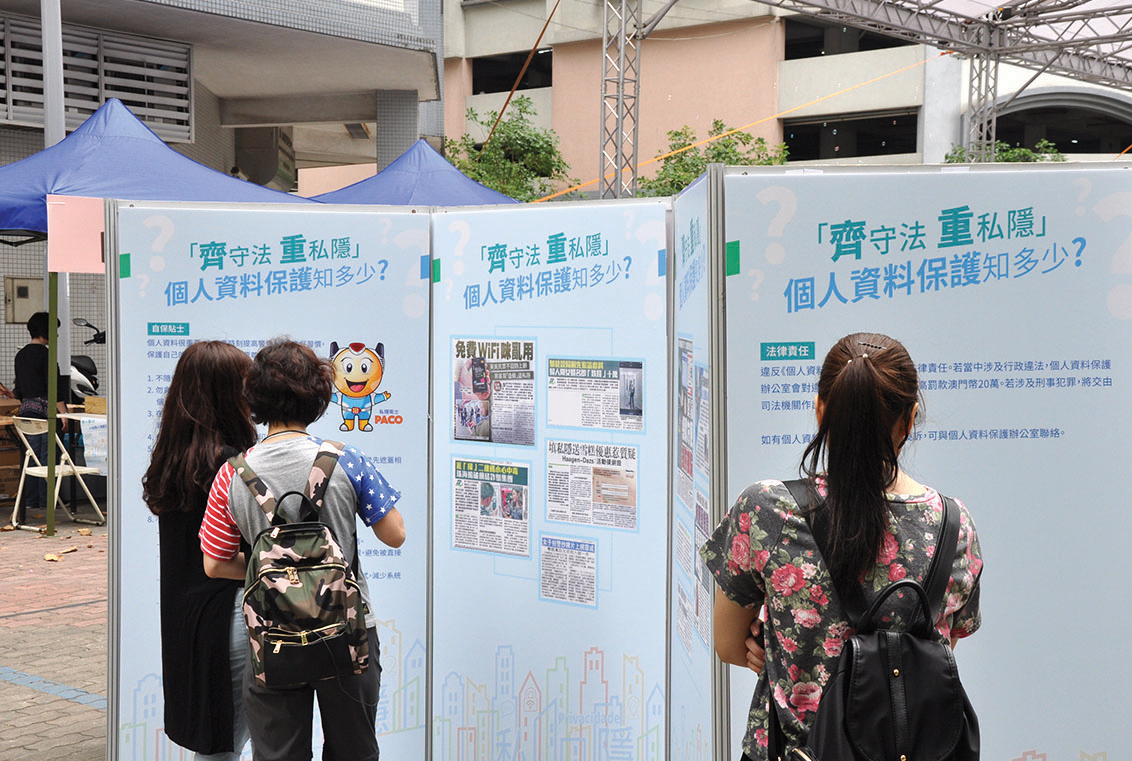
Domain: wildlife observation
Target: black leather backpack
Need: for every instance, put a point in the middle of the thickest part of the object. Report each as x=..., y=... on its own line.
x=895, y=695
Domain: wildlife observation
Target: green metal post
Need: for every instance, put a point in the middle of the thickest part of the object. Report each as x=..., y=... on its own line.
x=52, y=392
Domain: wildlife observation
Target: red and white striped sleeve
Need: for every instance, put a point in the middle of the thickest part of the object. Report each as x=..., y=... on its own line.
x=219, y=534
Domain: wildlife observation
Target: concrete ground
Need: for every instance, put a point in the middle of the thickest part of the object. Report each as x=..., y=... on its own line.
x=53, y=623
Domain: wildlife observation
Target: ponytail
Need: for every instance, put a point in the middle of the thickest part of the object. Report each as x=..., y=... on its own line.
x=867, y=388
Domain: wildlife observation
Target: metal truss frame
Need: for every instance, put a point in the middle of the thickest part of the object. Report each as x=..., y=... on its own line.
x=1087, y=40
x=620, y=80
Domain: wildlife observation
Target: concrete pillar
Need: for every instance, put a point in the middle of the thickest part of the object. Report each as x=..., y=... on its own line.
x=397, y=124
x=941, y=117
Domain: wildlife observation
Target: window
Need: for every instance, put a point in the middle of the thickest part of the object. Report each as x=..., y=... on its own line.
x=497, y=73
x=1072, y=130
x=805, y=39
x=850, y=136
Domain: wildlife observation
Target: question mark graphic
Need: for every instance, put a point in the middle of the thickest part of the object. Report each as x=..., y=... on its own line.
x=1080, y=249
x=787, y=207
x=165, y=228
x=758, y=276
x=465, y=235
x=165, y=231
x=1120, y=296
x=384, y=266
x=1108, y=209
x=628, y=262
x=1086, y=186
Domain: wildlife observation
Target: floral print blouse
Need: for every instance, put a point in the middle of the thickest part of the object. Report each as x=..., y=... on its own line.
x=764, y=552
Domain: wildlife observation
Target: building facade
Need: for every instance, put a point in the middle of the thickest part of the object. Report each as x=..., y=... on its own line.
x=257, y=88
x=831, y=93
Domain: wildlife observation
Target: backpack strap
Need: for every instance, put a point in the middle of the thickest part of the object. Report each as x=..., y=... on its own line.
x=255, y=484
x=852, y=598
x=324, y=462
x=319, y=479
x=939, y=574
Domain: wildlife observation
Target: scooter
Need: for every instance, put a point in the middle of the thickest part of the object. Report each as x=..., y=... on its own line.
x=84, y=373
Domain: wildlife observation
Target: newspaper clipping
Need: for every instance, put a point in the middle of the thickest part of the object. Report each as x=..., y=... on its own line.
x=569, y=570
x=684, y=618
x=596, y=393
x=703, y=421
x=591, y=484
x=685, y=423
x=705, y=598
x=490, y=507
x=493, y=391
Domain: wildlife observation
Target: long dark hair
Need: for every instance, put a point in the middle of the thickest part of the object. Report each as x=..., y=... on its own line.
x=205, y=413
x=868, y=391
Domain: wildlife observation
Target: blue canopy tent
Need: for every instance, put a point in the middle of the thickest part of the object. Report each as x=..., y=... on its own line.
x=111, y=155
x=419, y=177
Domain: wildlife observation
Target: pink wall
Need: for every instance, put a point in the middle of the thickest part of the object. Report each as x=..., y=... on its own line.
x=688, y=76
x=314, y=181
x=457, y=87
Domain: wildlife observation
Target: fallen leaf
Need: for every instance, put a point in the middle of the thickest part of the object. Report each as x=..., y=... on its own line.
x=91, y=545
x=84, y=532
x=52, y=557
x=69, y=549
x=9, y=527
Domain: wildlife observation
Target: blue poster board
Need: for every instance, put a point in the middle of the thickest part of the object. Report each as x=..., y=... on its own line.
x=334, y=275
x=1012, y=290
x=691, y=589
x=550, y=404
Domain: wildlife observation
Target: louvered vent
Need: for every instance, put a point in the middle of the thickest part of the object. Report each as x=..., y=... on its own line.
x=152, y=77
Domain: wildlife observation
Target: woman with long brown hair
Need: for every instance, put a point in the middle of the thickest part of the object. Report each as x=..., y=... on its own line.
x=881, y=527
x=205, y=421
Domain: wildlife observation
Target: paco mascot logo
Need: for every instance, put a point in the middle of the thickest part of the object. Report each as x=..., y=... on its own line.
x=358, y=371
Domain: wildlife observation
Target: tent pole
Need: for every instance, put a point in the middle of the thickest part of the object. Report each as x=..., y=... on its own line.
x=53, y=391
x=54, y=130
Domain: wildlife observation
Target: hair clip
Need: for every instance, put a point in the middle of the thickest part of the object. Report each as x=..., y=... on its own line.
x=871, y=345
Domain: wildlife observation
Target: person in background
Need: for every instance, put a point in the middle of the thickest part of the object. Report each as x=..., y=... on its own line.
x=204, y=640
x=289, y=388
x=882, y=527
x=31, y=390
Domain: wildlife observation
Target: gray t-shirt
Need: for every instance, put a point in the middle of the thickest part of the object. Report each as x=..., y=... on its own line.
x=356, y=488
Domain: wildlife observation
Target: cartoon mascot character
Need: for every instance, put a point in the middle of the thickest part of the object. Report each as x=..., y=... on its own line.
x=357, y=374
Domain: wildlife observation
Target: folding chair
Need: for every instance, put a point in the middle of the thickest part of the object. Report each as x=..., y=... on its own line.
x=66, y=468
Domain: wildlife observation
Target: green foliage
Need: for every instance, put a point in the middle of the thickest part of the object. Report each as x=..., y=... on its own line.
x=1042, y=151
x=521, y=160
x=738, y=149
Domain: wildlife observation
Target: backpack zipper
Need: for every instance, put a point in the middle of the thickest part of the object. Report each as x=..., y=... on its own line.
x=294, y=570
x=302, y=636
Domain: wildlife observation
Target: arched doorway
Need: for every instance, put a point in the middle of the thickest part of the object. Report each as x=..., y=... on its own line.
x=1076, y=121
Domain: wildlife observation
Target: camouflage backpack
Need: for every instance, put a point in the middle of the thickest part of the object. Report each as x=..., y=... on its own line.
x=304, y=609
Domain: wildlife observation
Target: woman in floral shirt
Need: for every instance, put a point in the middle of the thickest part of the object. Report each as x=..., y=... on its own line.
x=883, y=527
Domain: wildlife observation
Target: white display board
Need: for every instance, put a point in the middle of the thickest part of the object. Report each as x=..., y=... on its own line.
x=691, y=588
x=1012, y=290
x=245, y=274
x=550, y=405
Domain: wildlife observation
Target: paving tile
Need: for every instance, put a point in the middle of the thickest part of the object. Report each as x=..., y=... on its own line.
x=53, y=626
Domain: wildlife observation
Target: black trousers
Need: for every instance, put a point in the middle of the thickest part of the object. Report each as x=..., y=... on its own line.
x=280, y=720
